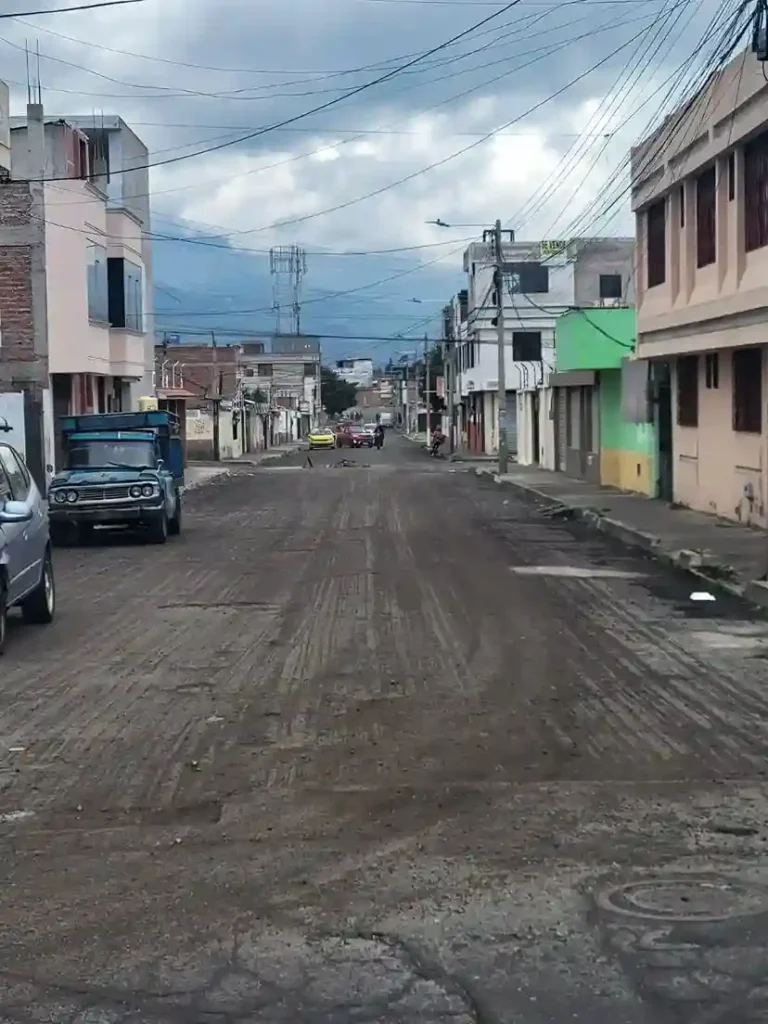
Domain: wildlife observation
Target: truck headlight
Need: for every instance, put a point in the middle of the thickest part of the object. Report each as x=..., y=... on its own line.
x=135, y=491
x=72, y=497
x=60, y=497
x=147, y=490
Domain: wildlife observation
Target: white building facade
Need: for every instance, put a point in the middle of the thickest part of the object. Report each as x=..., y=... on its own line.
x=356, y=371
x=75, y=276
x=542, y=280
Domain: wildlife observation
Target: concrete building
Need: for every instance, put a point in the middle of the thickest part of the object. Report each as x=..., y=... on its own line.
x=700, y=197
x=356, y=371
x=543, y=280
x=597, y=402
x=74, y=288
x=285, y=387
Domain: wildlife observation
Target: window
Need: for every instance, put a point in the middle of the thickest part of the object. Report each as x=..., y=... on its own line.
x=526, y=346
x=706, y=189
x=688, y=391
x=265, y=369
x=682, y=206
x=731, y=176
x=748, y=390
x=610, y=286
x=309, y=369
x=126, y=298
x=97, y=283
x=587, y=418
x=756, y=193
x=134, y=301
x=82, y=157
x=656, y=218
x=527, y=278
x=17, y=475
x=712, y=370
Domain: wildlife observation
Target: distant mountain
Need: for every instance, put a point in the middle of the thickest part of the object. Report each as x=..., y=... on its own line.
x=202, y=287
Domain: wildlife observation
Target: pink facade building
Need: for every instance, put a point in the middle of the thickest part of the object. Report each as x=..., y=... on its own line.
x=700, y=196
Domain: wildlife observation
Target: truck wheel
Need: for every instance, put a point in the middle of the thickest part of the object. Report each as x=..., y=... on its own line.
x=158, y=529
x=174, y=524
x=3, y=614
x=38, y=608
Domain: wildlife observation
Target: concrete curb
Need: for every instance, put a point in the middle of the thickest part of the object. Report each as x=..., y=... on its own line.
x=692, y=562
x=279, y=456
x=212, y=478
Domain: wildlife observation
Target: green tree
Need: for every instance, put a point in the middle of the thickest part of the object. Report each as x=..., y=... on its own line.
x=337, y=394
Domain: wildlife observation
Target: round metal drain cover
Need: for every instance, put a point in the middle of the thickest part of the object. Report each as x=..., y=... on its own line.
x=685, y=899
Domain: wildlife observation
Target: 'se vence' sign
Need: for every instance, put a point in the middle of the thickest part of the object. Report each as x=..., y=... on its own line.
x=552, y=248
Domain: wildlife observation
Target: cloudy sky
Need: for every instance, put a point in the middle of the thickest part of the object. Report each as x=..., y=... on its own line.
x=527, y=118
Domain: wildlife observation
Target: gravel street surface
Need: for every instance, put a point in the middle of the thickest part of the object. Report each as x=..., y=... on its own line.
x=382, y=743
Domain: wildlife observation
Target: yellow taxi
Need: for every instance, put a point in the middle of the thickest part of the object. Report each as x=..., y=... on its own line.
x=322, y=438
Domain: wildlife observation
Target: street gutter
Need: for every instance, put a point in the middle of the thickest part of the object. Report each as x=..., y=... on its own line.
x=708, y=571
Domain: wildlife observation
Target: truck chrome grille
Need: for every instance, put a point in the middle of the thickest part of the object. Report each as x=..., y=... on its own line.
x=103, y=493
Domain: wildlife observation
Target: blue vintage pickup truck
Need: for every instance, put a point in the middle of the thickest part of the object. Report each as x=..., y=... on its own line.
x=121, y=470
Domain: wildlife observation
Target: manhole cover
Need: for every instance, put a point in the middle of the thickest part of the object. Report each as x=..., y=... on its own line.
x=685, y=899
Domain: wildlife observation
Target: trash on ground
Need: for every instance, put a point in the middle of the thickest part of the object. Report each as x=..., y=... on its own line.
x=702, y=595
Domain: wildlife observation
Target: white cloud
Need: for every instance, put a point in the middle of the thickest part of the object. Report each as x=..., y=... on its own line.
x=538, y=175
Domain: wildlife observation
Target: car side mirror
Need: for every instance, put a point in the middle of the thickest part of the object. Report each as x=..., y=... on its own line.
x=15, y=512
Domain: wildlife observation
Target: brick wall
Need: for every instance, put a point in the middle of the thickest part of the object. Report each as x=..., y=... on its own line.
x=17, y=327
x=15, y=205
x=198, y=368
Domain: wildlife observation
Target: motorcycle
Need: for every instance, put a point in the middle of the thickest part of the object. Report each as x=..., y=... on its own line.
x=434, y=447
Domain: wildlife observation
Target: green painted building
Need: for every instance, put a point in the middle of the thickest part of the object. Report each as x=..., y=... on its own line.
x=605, y=425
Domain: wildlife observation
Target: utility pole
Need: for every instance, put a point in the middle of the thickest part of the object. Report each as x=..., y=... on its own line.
x=215, y=395
x=450, y=383
x=502, y=382
x=426, y=381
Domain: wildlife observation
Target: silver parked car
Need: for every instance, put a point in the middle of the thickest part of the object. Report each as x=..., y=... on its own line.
x=26, y=572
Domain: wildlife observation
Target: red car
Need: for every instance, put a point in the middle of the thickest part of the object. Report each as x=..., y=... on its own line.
x=361, y=438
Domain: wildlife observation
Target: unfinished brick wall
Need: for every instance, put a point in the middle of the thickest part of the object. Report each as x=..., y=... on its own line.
x=15, y=204
x=199, y=370
x=17, y=335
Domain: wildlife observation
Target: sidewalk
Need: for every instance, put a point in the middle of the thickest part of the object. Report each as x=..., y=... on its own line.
x=724, y=554
x=197, y=474
x=267, y=455
x=202, y=472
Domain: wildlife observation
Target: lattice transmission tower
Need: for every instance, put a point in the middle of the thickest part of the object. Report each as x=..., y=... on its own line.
x=288, y=267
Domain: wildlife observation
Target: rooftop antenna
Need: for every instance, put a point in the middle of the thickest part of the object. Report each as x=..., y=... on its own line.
x=29, y=84
x=39, y=82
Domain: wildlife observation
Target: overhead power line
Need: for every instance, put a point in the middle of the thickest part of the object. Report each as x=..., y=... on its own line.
x=451, y=156
x=67, y=10
x=348, y=141
x=665, y=130
x=322, y=106
x=552, y=5
x=314, y=77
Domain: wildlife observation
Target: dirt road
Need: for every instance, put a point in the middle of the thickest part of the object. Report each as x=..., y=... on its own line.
x=382, y=744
